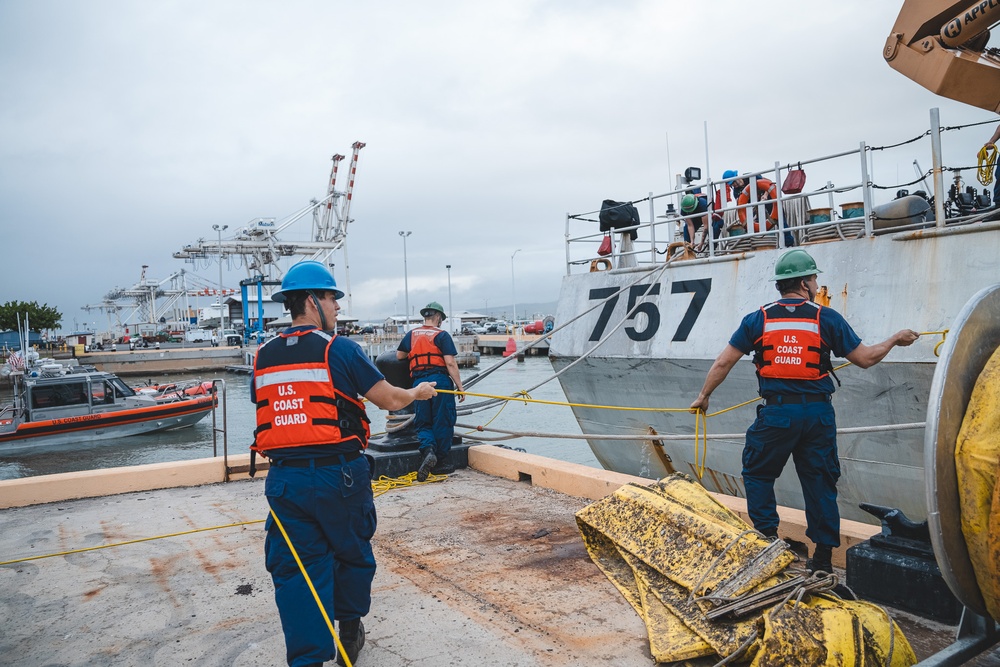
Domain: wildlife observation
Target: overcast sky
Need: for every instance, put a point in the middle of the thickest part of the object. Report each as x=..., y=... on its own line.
x=127, y=129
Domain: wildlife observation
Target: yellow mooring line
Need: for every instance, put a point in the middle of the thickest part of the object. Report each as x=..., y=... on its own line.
x=700, y=417
x=379, y=486
x=384, y=484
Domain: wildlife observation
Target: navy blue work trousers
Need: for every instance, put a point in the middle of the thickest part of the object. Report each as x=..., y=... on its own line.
x=329, y=515
x=808, y=433
x=435, y=418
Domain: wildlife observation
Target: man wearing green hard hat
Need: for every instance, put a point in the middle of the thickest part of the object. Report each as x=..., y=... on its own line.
x=792, y=340
x=696, y=205
x=431, y=353
x=312, y=426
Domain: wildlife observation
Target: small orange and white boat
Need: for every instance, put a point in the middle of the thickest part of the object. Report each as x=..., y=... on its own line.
x=58, y=406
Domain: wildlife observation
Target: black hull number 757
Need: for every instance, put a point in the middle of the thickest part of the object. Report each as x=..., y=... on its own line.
x=698, y=288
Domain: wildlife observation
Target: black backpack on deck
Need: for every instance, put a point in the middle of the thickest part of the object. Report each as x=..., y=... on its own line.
x=618, y=215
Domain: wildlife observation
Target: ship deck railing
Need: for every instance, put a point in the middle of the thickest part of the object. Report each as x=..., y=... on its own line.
x=662, y=233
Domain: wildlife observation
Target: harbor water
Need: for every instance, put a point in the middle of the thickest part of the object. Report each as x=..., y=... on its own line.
x=196, y=442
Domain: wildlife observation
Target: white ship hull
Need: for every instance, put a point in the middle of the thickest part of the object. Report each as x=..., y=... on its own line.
x=659, y=358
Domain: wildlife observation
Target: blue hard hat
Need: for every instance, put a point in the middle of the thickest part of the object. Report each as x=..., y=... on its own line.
x=308, y=275
x=729, y=173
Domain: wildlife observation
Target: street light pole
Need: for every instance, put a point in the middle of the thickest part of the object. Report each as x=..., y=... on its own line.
x=513, y=293
x=222, y=310
x=451, y=313
x=406, y=284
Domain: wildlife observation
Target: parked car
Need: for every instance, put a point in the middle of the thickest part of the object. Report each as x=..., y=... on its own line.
x=261, y=336
x=498, y=328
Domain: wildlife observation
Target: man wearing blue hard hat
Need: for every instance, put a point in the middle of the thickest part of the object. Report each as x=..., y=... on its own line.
x=311, y=425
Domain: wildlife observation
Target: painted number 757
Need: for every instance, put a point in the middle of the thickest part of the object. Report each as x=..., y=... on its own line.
x=698, y=288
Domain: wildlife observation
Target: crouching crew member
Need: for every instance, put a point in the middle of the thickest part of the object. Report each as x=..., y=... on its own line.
x=312, y=426
x=793, y=339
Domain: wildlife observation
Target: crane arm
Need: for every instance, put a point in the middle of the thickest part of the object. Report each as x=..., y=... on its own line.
x=943, y=47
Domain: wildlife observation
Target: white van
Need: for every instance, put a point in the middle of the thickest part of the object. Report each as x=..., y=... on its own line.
x=198, y=335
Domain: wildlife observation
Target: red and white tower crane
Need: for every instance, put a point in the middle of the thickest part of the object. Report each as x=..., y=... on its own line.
x=260, y=242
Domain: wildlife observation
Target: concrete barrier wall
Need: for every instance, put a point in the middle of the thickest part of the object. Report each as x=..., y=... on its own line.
x=109, y=482
x=173, y=360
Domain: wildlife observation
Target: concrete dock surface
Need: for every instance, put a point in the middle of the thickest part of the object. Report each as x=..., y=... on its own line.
x=476, y=570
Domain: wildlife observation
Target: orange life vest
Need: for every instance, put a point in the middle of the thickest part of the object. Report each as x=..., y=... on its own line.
x=766, y=190
x=297, y=404
x=424, y=354
x=791, y=347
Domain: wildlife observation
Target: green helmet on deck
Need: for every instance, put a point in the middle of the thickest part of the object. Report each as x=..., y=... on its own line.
x=430, y=308
x=795, y=264
x=689, y=203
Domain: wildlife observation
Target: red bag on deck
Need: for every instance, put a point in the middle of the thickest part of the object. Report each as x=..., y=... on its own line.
x=795, y=181
x=605, y=248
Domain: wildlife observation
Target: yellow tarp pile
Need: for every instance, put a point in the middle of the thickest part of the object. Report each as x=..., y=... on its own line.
x=667, y=545
x=977, y=462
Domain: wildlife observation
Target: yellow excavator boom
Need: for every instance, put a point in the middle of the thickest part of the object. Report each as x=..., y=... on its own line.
x=942, y=45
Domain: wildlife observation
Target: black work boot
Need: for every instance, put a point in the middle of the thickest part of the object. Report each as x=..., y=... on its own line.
x=820, y=561
x=352, y=636
x=426, y=466
x=444, y=465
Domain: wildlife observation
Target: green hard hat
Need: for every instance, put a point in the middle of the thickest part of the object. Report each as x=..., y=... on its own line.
x=429, y=309
x=795, y=264
x=689, y=203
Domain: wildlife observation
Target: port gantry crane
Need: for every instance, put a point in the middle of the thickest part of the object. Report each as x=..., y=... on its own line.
x=149, y=300
x=259, y=242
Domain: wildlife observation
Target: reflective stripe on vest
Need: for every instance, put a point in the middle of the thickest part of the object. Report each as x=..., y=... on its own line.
x=424, y=354
x=297, y=404
x=790, y=347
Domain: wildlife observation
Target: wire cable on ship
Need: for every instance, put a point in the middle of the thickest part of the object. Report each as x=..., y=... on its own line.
x=477, y=407
x=920, y=178
x=902, y=143
x=959, y=127
x=579, y=217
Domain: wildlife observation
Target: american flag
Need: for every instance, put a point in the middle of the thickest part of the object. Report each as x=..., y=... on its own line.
x=16, y=362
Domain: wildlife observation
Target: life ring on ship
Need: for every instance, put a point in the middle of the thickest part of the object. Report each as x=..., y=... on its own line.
x=768, y=192
x=602, y=264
